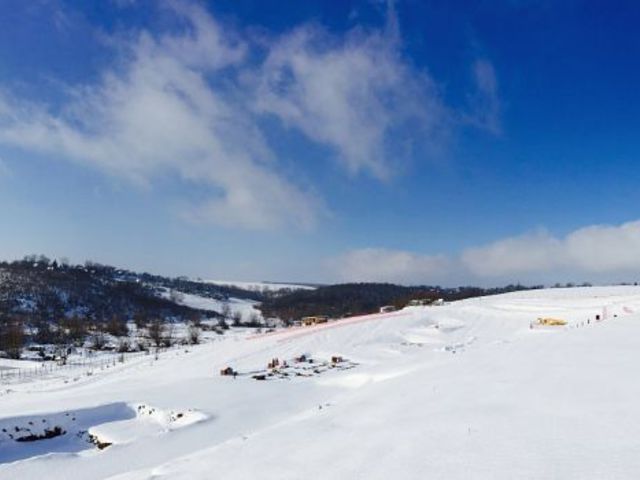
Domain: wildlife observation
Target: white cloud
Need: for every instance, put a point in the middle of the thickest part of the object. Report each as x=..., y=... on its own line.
x=594, y=253
x=534, y=252
x=485, y=107
x=158, y=114
x=179, y=104
x=355, y=94
x=383, y=265
x=603, y=248
x=596, y=250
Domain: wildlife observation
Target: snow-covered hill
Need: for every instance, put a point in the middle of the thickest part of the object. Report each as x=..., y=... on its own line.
x=465, y=390
x=245, y=307
x=261, y=286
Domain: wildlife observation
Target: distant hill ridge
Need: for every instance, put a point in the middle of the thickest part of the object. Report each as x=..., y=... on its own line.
x=44, y=289
x=39, y=288
x=360, y=298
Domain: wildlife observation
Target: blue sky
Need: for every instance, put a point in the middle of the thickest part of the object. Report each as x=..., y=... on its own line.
x=417, y=142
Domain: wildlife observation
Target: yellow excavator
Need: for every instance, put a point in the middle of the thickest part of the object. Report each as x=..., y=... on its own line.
x=550, y=322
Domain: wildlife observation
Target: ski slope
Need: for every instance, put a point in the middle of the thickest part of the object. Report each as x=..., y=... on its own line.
x=465, y=390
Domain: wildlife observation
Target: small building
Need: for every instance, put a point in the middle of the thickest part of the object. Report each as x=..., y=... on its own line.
x=418, y=302
x=438, y=302
x=387, y=309
x=314, y=320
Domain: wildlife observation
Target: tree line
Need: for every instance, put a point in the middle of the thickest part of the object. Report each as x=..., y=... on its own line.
x=349, y=299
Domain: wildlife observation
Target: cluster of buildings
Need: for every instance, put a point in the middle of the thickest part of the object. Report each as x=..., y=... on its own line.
x=419, y=302
x=319, y=319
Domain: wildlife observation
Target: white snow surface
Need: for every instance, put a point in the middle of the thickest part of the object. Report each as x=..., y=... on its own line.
x=465, y=390
x=246, y=307
x=261, y=286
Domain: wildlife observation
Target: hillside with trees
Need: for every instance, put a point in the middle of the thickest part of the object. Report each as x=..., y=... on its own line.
x=51, y=302
x=343, y=300
x=45, y=301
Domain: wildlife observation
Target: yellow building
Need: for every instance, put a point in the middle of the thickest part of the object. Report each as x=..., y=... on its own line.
x=315, y=320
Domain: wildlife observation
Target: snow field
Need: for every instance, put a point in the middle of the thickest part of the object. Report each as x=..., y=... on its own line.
x=466, y=390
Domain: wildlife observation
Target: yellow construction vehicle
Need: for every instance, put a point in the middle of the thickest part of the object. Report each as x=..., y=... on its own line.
x=551, y=322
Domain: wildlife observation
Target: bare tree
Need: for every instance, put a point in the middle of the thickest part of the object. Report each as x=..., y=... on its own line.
x=168, y=338
x=75, y=327
x=195, y=318
x=175, y=296
x=12, y=338
x=98, y=340
x=254, y=320
x=123, y=345
x=141, y=320
x=156, y=331
x=194, y=334
x=237, y=318
x=117, y=327
x=44, y=332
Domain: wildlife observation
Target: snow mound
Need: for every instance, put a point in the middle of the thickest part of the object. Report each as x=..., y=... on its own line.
x=448, y=324
x=85, y=429
x=148, y=421
x=422, y=336
x=60, y=432
x=170, y=419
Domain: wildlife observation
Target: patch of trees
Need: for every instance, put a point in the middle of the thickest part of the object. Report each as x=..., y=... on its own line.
x=51, y=302
x=51, y=291
x=202, y=289
x=12, y=336
x=349, y=299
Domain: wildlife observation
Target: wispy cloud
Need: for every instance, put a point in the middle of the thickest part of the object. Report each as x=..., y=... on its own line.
x=384, y=265
x=593, y=253
x=159, y=114
x=5, y=171
x=356, y=94
x=178, y=103
x=597, y=249
x=485, y=106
